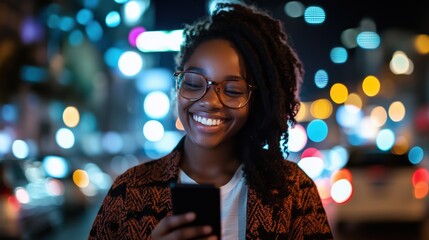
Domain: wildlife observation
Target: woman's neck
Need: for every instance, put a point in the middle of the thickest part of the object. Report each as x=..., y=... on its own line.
x=210, y=165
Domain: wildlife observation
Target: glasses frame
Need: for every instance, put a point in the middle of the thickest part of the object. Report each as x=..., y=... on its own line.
x=210, y=83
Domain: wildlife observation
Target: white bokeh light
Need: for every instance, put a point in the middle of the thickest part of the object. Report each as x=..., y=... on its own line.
x=153, y=130
x=299, y=136
x=341, y=190
x=385, y=139
x=313, y=166
x=156, y=104
x=133, y=11
x=130, y=63
x=65, y=138
x=20, y=149
x=5, y=142
x=55, y=166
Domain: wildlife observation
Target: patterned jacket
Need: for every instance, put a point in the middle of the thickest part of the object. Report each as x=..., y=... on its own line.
x=140, y=197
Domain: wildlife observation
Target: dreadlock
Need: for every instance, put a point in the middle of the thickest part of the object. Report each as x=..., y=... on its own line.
x=273, y=66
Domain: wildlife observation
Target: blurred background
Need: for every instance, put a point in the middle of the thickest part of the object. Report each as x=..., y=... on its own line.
x=86, y=92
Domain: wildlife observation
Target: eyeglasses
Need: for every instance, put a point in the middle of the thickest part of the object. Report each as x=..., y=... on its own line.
x=233, y=93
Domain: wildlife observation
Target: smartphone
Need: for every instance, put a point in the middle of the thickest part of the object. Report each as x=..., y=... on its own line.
x=202, y=199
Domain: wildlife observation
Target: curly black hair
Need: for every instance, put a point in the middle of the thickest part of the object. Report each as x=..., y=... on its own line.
x=273, y=66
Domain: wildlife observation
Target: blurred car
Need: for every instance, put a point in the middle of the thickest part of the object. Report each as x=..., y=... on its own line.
x=62, y=169
x=83, y=181
x=30, y=203
x=379, y=186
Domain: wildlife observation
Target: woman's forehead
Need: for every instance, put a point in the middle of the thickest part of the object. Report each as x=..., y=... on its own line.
x=216, y=56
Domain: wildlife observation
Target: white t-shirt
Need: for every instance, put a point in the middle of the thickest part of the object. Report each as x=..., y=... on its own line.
x=233, y=205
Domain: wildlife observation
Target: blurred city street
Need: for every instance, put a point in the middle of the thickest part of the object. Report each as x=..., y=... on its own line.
x=76, y=226
x=379, y=230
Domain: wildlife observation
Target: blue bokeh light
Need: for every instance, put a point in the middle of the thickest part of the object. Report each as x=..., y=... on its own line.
x=317, y=130
x=314, y=15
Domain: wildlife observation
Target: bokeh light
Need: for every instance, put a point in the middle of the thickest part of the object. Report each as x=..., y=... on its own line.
x=5, y=142
x=303, y=113
x=321, y=78
x=416, y=155
x=371, y=86
x=153, y=130
x=378, y=116
x=299, y=136
x=368, y=40
x=20, y=149
x=94, y=31
x=353, y=102
x=385, y=139
x=313, y=166
x=134, y=33
x=113, y=19
x=397, y=111
x=401, y=64
x=321, y=109
x=314, y=15
x=156, y=105
x=55, y=166
x=317, y=130
x=401, y=146
x=341, y=191
x=65, y=138
x=339, y=93
x=367, y=130
x=159, y=41
x=294, y=9
x=348, y=38
x=348, y=119
x=338, y=55
x=84, y=16
x=422, y=43
x=80, y=178
x=130, y=63
x=71, y=116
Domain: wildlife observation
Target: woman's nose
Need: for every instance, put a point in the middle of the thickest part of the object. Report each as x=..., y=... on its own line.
x=211, y=98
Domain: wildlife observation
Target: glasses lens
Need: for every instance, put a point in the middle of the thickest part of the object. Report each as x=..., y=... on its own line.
x=233, y=93
x=191, y=85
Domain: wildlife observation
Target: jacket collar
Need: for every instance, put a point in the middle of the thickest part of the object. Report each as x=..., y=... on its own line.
x=169, y=165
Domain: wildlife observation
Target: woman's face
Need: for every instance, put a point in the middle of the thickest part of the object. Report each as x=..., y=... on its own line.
x=207, y=121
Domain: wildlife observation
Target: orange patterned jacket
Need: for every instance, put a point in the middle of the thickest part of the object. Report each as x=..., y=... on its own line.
x=140, y=197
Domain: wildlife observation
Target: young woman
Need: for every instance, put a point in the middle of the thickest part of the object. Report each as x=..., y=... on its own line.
x=237, y=94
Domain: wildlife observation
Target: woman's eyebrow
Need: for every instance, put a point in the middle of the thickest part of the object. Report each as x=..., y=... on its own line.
x=203, y=72
x=234, y=77
x=195, y=69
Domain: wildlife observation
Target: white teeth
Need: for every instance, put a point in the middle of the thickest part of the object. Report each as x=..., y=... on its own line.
x=207, y=121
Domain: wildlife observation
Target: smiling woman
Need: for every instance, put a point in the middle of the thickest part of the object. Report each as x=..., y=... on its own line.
x=220, y=61
x=237, y=84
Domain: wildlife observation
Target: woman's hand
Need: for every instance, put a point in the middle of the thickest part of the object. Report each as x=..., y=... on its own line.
x=170, y=228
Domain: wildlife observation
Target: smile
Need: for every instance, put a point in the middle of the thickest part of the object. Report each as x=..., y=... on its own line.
x=207, y=121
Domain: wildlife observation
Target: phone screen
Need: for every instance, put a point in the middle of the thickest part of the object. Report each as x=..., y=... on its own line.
x=202, y=199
